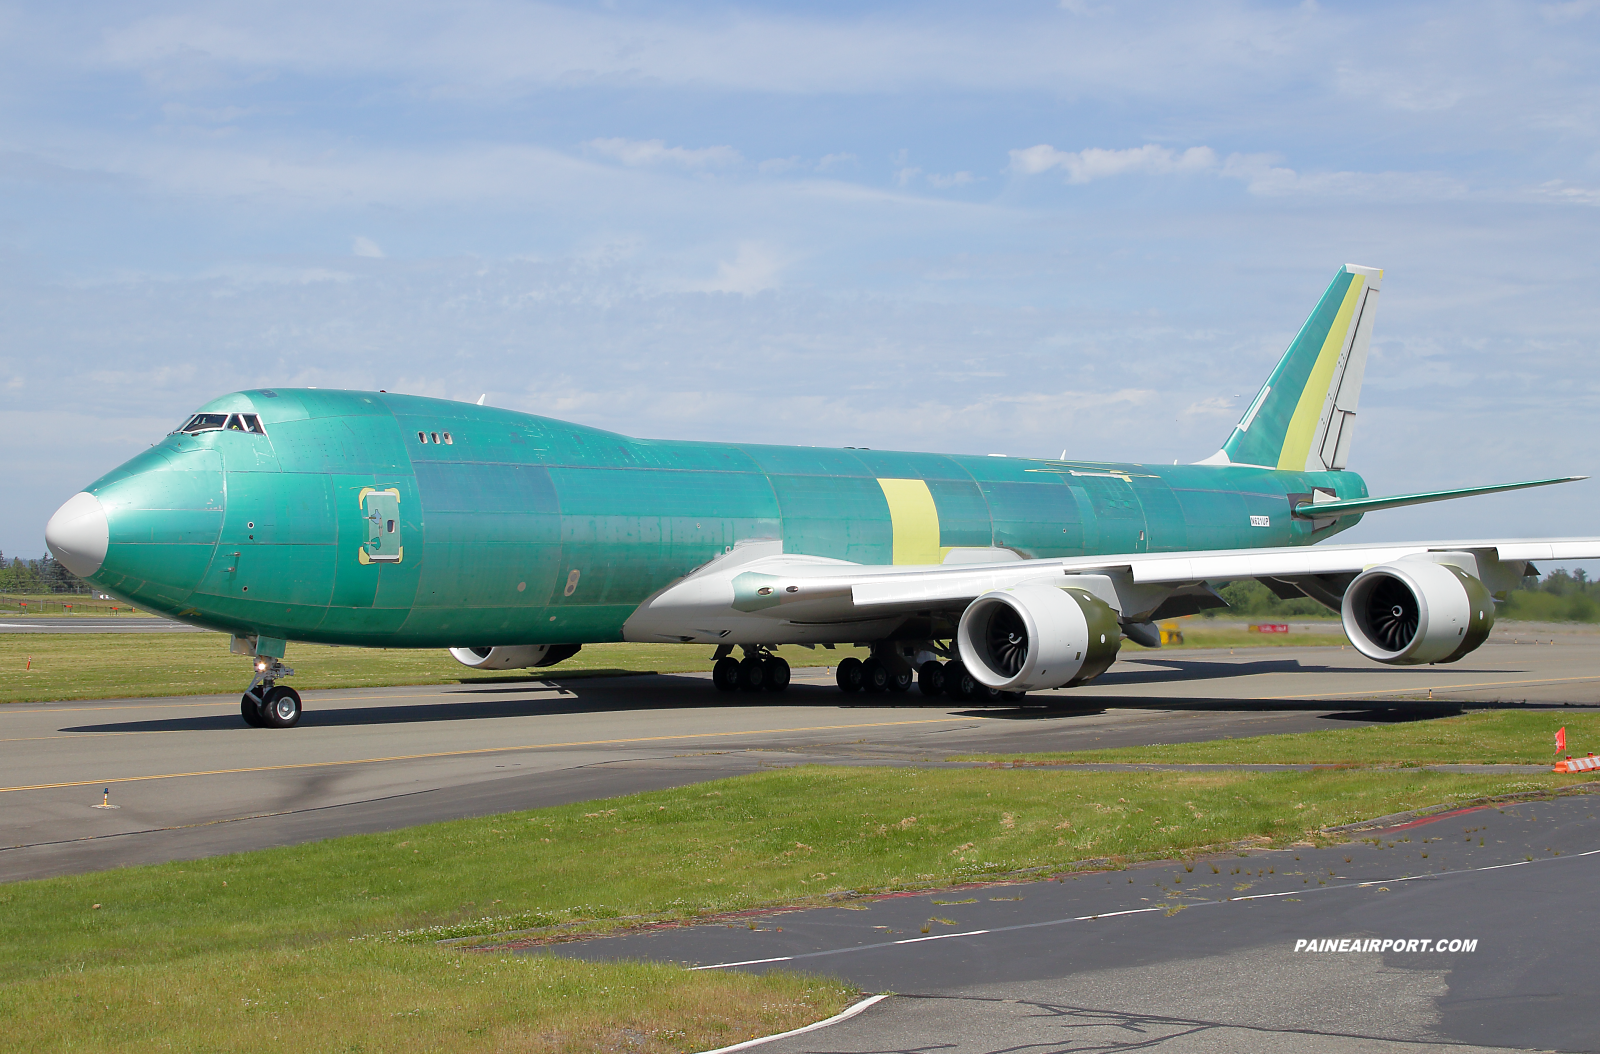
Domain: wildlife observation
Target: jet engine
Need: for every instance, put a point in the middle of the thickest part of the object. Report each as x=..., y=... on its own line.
x=1033, y=637
x=514, y=658
x=1414, y=611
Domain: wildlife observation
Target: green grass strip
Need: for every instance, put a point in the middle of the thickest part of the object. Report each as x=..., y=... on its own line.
x=333, y=940
x=1495, y=737
x=61, y=666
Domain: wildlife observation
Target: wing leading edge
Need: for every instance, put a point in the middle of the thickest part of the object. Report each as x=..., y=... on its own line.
x=755, y=592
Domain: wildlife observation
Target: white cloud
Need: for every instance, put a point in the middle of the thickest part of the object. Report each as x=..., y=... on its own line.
x=305, y=173
x=1095, y=163
x=640, y=152
x=1261, y=173
x=958, y=179
x=754, y=268
x=363, y=246
x=1561, y=191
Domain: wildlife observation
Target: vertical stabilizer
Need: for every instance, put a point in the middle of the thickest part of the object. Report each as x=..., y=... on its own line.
x=1303, y=417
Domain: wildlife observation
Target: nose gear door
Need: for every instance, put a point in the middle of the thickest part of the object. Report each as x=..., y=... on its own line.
x=381, y=509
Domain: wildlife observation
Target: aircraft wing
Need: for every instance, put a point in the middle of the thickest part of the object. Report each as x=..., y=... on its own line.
x=874, y=587
x=746, y=595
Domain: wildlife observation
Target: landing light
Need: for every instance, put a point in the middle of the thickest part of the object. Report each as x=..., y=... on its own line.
x=260, y=665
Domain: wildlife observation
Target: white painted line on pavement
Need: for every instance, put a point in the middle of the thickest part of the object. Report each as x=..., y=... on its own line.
x=1141, y=911
x=846, y=1015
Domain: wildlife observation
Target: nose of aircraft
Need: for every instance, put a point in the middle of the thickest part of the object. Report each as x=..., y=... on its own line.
x=78, y=534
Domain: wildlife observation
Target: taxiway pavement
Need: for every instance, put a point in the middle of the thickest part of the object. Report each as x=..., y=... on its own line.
x=191, y=780
x=1210, y=956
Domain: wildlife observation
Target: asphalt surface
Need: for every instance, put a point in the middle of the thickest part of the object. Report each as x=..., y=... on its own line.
x=1184, y=970
x=191, y=780
x=1177, y=960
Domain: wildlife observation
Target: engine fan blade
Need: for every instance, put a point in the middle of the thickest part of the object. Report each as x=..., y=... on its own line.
x=1008, y=641
x=1393, y=614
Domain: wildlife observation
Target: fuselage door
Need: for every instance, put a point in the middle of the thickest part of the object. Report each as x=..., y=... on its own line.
x=381, y=509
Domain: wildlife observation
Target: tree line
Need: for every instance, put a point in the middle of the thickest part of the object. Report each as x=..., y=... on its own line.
x=1560, y=596
x=44, y=575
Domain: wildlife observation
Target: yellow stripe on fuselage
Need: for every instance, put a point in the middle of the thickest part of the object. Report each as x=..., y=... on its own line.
x=1303, y=424
x=915, y=519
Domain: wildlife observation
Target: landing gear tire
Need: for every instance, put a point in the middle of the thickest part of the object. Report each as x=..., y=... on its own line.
x=958, y=683
x=725, y=674
x=752, y=675
x=250, y=710
x=899, y=682
x=930, y=678
x=849, y=674
x=874, y=676
x=777, y=674
x=281, y=707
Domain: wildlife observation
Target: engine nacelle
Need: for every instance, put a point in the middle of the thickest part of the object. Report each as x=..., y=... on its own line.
x=1033, y=637
x=1415, y=611
x=514, y=658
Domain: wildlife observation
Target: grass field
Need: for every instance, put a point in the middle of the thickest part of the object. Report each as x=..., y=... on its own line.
x=116, y=665
x=1506, y=737
x=330, y=945
x=52, y=666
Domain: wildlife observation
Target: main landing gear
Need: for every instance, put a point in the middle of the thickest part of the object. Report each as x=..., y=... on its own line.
x=266, y=703
x=759, y=670
x=873, y=675
x=887, y=671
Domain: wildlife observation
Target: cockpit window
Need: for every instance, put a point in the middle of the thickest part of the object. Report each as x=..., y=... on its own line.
x=230, y=422
x=204, y=423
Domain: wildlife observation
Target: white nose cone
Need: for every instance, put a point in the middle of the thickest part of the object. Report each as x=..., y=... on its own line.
x=78, y=535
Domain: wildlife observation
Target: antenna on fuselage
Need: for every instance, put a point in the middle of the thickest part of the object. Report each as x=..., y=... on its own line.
x=482, y=397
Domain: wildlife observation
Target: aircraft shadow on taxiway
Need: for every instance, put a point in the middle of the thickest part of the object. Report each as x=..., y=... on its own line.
x=665, y=692
x=1169, y=670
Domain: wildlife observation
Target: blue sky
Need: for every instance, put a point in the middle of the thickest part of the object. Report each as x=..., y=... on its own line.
x=985, y=228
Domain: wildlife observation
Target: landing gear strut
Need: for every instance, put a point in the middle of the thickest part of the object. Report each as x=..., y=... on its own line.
x=266, y=703
x=760, y=670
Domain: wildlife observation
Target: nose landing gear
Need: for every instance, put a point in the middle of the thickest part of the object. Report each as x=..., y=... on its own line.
x=266, y=703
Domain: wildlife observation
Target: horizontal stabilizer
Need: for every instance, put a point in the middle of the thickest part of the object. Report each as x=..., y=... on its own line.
x=1324, y=510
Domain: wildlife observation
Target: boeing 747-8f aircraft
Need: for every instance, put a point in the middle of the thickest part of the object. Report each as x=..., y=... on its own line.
x=367, y=518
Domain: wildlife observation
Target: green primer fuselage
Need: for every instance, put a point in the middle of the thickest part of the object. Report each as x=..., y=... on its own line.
x=294, y=534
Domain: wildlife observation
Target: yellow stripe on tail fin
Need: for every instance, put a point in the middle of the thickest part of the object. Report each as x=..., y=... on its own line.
x=1303, y=417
